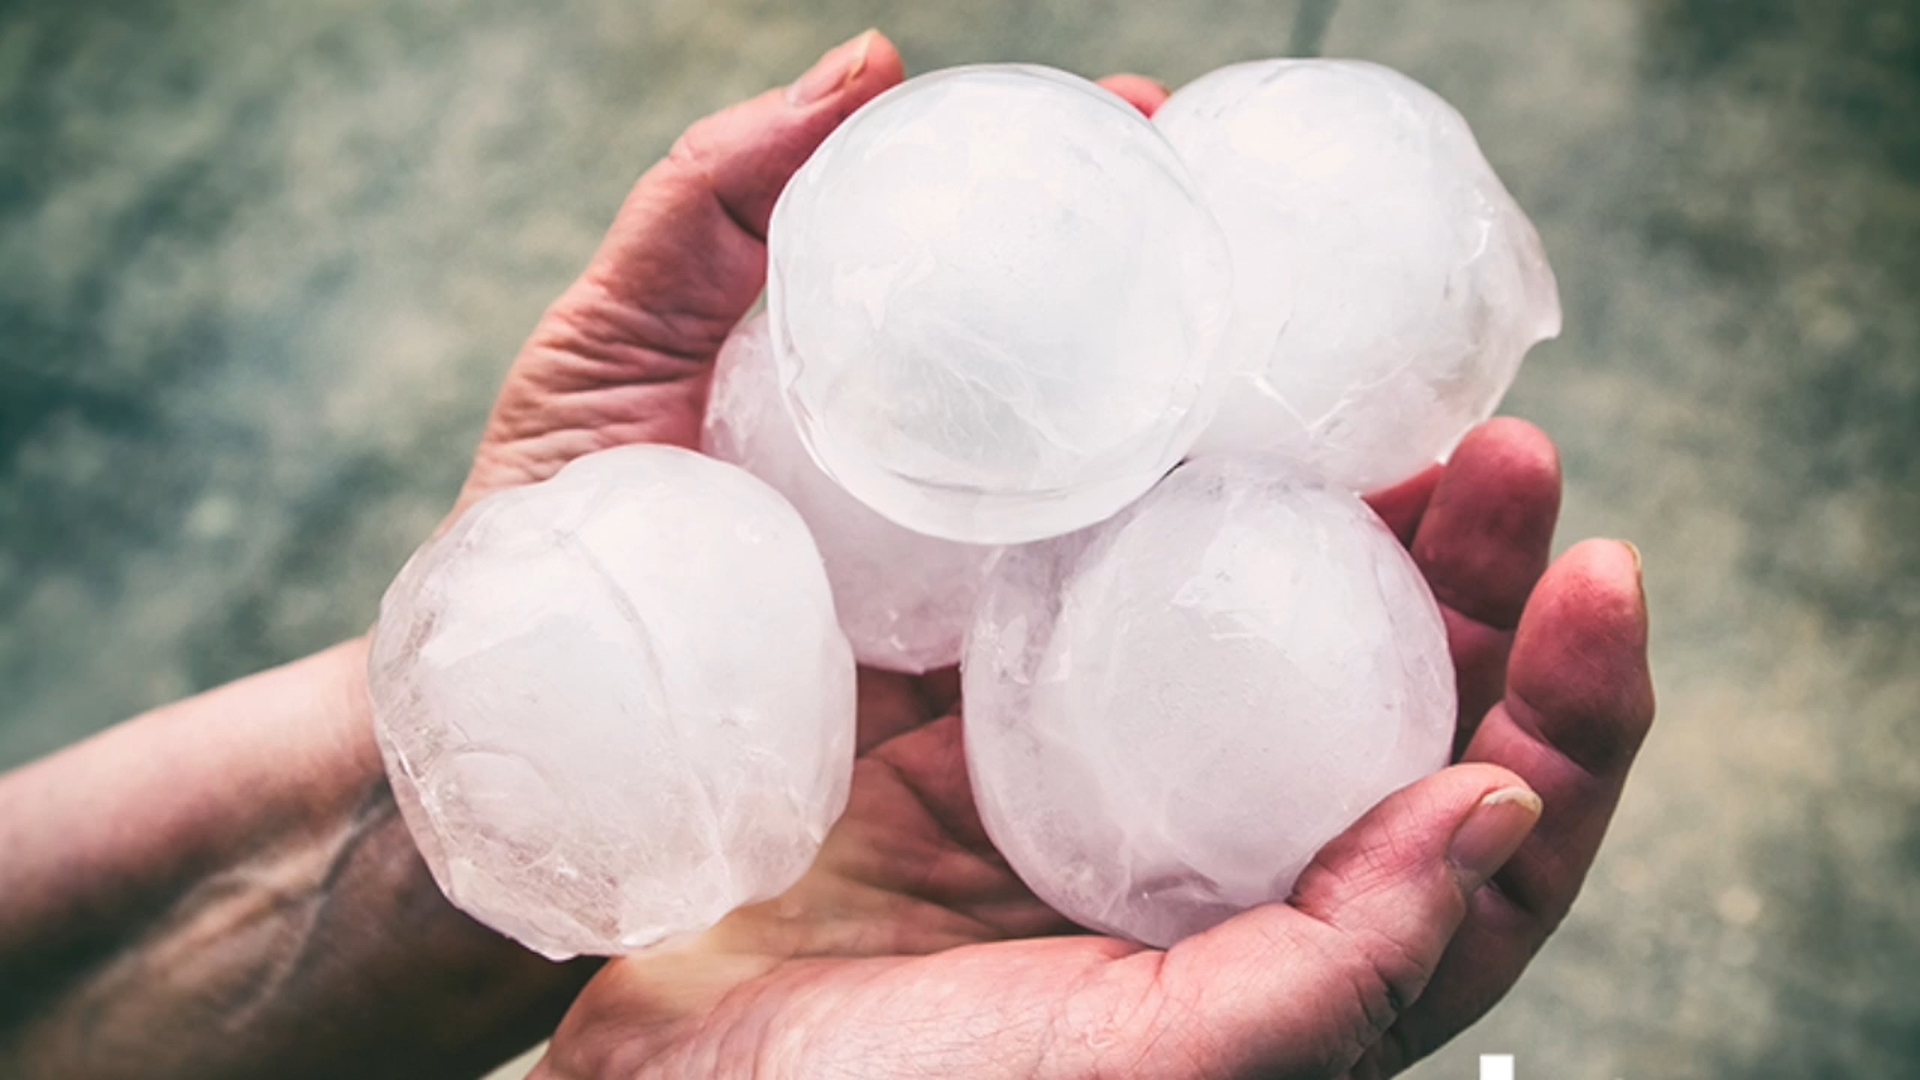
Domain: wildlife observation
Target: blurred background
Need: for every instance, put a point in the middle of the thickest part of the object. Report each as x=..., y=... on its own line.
x=263, y=264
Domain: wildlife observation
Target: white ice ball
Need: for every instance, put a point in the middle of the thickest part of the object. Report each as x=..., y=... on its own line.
x=904, y=598
x=1386, y=285
x=997, y=304
x=1168, y=714
x=615, y=705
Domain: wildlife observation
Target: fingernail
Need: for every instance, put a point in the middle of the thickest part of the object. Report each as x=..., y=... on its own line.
x=841, y=65
x=1639, y=570
x=1491, y=834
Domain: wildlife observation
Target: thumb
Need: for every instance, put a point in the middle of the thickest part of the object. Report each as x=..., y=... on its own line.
x=1303, y=988
x=622, y=356
x=688, y=240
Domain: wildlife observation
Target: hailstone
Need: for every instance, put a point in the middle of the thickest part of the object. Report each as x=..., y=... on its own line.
x=904, y=598
x=1386, y=285
x=1170, y=712
x=997, y=304
x=615, y=705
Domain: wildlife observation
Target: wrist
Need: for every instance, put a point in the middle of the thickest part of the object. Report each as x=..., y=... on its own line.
x=237, y=857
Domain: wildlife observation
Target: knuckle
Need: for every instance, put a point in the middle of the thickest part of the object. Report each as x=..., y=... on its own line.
x=1364, y=992
x=1164, y=1028
x=1384, y=974
x=692, y=152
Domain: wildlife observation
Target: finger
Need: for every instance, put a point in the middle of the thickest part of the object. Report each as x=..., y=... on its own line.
x=915, y=831
x=718, y=185
x=887, y=704
x=891, y=703
x=1303, y=988
x=1482, y=543
x=1142, y=93
x=1484, y=537
x=908, y=868
x=1578, y=705
x=1403, y=505
x=622, y=356
x=940, y=690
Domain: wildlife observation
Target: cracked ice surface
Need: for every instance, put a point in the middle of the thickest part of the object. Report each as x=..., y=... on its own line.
x=1386, y=284
x=1170, y=712
x=997, y=304
x=903, y=598
x=615, y=705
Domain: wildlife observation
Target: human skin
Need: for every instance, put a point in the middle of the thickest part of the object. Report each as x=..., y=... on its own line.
x=223, y=887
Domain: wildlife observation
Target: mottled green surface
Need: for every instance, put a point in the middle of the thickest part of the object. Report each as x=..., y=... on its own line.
x=262, y=265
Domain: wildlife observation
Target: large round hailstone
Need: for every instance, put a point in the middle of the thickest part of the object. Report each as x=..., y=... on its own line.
x=997, y=304
x=615, y=706
x=1169, y=713
x=1386, y=286
x=904, y=598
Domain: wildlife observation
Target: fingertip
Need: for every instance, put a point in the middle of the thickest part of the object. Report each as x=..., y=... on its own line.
x=1487, y=531
x=1513, y=457
x=847, y=77
x=1446, y=799
x=848, y=74
x=1491, y=833
x=1601, y=579
x=746, y=154
x=1510, y=466
x=1522, y=455
x=1579, y=666
x=881, y=70
x=1141, y=92
x=1516, y=438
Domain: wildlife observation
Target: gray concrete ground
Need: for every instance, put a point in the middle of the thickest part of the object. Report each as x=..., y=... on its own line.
x=262, y=265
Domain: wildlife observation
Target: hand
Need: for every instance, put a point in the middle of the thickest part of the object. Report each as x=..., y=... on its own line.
x=910, y=946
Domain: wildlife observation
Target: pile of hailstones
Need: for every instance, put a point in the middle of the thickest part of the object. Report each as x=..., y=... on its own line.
x=1079, y=400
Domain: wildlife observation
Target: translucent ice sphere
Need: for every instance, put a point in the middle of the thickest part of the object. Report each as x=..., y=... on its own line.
x=997, y=304
x=904, y=598
x=1168, y=714
x=1386, y=285
x=614, y=706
